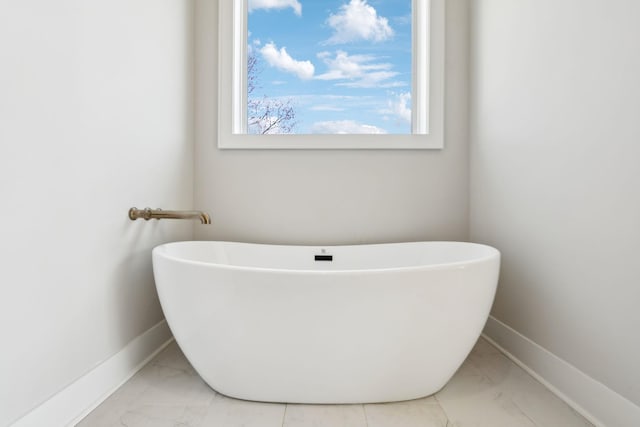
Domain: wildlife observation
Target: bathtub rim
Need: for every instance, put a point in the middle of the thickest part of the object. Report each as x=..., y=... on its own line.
x=493, y=254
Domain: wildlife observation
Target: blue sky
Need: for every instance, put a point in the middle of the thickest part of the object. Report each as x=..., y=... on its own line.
x=344, y=64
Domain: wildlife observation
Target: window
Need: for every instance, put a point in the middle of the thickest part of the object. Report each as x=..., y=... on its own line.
x=331, y=74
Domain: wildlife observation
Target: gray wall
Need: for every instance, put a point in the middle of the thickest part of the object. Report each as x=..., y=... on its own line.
x=555, y=181
x=332, y=197
x=96, y=116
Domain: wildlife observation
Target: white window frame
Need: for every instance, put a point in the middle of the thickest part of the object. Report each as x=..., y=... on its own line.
x=427, y=93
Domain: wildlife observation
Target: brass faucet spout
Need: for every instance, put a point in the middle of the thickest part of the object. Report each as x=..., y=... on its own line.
x=148, y=213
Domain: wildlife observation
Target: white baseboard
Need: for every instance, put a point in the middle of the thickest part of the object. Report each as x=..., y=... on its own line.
x=75, y=401
x=596, y=402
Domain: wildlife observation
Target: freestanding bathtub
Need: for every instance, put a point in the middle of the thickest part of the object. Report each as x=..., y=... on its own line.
x=333, y=324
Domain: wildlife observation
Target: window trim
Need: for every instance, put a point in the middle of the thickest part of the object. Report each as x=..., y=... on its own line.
x=428, y=55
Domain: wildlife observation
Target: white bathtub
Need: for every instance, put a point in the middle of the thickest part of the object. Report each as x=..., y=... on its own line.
x=378, y=323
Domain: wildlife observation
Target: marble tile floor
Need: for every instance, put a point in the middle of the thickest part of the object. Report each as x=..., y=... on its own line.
x=487, y=391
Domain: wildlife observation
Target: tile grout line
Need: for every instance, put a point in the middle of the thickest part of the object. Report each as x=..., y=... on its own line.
x=531, y=374
x=524, y=413
x=366, y=419
x=435, y=397
x=284, y=414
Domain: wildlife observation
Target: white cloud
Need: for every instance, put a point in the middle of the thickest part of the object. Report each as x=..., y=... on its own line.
x=360, y=70
x=326, y=107
x=376, y=79
x=282, y=60
x=358, y=21
x=400, y=107
x=345, y=127
x=275, y=4
x=332, y=102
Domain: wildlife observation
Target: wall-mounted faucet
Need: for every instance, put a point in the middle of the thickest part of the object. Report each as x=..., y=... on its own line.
x=148, y=213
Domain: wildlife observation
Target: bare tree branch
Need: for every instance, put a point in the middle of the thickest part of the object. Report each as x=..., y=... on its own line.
x=266, y=115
